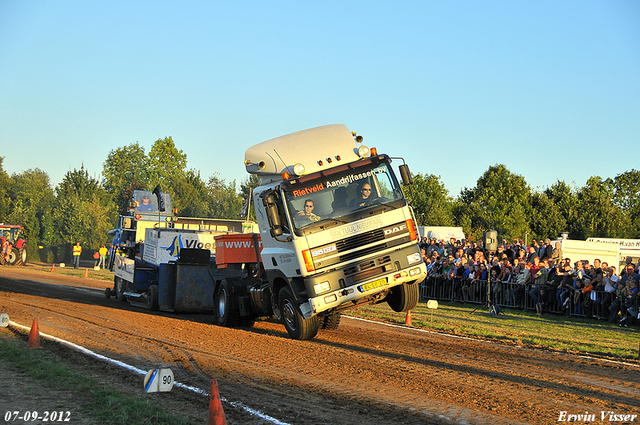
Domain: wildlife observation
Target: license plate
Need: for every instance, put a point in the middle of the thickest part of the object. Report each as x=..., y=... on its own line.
x=375, y=284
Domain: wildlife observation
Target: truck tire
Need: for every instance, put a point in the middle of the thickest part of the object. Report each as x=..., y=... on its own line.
x=120, y=286
x=297, y=326
x=225, y=315
x=403, y=297
x=331, y=321
x=152, y=297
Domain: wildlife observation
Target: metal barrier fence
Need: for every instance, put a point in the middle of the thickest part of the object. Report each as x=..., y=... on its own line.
x=567, y=301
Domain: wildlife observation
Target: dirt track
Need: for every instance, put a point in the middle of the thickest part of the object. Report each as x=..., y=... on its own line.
x=359, y=374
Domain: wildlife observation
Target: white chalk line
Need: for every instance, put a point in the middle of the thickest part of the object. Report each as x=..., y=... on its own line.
x=86, y=351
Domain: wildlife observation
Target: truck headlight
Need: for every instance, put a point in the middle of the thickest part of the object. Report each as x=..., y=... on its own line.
x=414, y=258
x=321, y=287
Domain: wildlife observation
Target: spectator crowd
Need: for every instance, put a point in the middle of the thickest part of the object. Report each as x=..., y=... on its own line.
x=534, y=277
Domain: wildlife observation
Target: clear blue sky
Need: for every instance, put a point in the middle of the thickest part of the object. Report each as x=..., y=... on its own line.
x=551, y=89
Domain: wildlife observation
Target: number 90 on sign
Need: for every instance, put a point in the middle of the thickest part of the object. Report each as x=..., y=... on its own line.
x=4, y=320
x=158, y=380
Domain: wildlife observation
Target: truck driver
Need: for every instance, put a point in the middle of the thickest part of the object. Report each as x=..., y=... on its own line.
x=306, y=216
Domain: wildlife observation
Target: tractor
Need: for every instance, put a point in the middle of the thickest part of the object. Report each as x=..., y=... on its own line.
x=13, y=246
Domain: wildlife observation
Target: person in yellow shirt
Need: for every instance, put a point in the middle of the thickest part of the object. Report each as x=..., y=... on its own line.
x=103, y=256
x=77, y=250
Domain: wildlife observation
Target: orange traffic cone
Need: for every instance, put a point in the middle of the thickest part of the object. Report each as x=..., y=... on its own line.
x=216, y=414
x=86, y=272
x=53, y=267
x=408, y=319
x=34, y=335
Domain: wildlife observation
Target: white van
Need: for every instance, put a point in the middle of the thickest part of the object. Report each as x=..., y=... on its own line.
x=626, y=248
x=441, y=232
x=589, y=250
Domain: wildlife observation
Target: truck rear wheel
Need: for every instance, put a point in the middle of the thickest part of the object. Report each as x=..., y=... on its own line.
x=403, y=297
x=331, y=321
x=225, y=315
x=297, y=326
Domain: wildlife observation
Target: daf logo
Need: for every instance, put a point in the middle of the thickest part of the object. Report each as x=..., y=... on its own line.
x=395, y=229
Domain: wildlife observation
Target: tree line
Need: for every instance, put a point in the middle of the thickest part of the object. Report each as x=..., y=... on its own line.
x=503, y=201
x=83, y=208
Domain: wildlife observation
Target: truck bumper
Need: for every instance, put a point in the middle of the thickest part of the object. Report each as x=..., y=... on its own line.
x=412, y=269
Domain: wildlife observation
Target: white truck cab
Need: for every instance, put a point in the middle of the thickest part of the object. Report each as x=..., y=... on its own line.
x=336, y=229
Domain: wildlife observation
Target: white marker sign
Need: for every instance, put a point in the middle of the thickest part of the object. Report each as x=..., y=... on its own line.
x=158, y=380
x=4, y=320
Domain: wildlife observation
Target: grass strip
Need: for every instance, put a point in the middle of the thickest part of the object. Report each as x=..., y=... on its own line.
x=106, y=406
x=517, y=327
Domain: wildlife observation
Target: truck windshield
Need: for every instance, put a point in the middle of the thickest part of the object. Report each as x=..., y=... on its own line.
x=145, y=202
x=326, y=197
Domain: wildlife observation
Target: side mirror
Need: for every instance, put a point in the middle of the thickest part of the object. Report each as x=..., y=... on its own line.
x=273, y=215
x=405, y=174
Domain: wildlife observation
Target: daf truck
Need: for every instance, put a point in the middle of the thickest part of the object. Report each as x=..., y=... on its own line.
x=359, y=244
x=334, y=231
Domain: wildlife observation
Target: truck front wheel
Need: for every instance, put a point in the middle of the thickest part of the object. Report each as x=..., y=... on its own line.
x=403, y=297
x=297, y=326
x=225, y=315
x=120, y=286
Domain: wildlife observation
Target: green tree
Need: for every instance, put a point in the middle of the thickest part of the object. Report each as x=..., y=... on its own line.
x=224, y=202
x=190, y=195
x=626, y=189
x=125, y=170
x=500, y=201
x=596, y=214
x=83, y=211
x=246, y=190
x=546, y=219
x=430, y=201
x=167, y=164
x=31, y=203
x=5, y=184
x=564, y=199
x=468, y=214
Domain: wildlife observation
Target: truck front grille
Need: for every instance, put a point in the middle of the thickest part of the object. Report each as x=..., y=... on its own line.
x=362, y=239
x=362, y=245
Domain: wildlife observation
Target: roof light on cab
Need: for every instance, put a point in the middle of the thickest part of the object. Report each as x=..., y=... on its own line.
x=298, y=169
x=363, y=151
